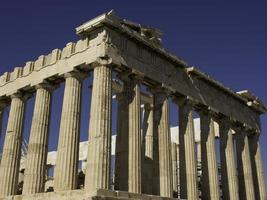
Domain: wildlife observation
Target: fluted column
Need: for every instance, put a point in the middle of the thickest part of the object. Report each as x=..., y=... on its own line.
x=122, y=141
x=246, y=191
x=35, y=169
x=188, y=170
x=99, y=146
x=209, y=178
x=9, y=169
x=147, y=160
x=149, y=132
x=257, y=167
x=66, y=169
x=129, y=135
x=174, y=168
x=1, y=118
x=162, y=146
x=228, y=165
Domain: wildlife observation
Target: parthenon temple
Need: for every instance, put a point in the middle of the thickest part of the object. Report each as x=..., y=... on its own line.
x=128, y=65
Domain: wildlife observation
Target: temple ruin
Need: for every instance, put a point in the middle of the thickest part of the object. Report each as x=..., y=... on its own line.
x=144, y=154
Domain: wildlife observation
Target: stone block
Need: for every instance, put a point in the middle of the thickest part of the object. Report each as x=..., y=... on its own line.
x=4, y=78
x=81, y=45
x=68, y=50
x=105, y=192
x=56, y=54
x=28, y=68
x=39, y=63
x=16, y=73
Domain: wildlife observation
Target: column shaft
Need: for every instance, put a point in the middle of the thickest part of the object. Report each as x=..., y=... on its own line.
x=188, y=170
x=99, y=146
x=149, y=132
x=35, y=170
x=128, y=174
x=245, y=178
x=174, y=169
x=209, y=183
x=66, y=170
x=134, y=131
x=162, y=152
x=257, y=167
x=228, y=165
x=9, y=169
x=1, y=122
x=122, y=143
x=147, y=151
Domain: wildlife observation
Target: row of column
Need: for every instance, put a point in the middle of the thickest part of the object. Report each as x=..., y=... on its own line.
x=65, y=177
x=131, y=163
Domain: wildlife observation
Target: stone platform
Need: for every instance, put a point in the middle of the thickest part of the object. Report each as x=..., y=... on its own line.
x=101, y=194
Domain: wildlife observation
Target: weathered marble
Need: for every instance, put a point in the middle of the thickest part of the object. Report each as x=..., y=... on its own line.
x=228, y=164
x=257, y=167
x=162, y=146
x=98, y=158
x=188, y=170
x=66, y=170
x=130, y=134
x=9, y=168
x=35, y=171
x=209, y=179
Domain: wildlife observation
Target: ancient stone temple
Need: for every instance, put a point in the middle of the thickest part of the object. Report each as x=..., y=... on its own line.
x=123, y=58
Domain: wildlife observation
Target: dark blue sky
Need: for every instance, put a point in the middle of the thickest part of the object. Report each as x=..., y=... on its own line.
x=224, y=39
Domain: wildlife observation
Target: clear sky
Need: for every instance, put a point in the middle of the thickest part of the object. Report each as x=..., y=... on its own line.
x=226, y=39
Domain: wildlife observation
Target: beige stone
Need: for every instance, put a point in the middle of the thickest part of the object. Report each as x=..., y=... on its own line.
x=66, y=170
x=228, y=165
x=129, y=139
x=188, y=173
x=109, y=43
x=244, y=166
x=162, y=146
x=257, y=167
x=174, y=168
x=98, y=158
x=35, y=172
x=147, y=151
x=9, y=169
x=209, y=179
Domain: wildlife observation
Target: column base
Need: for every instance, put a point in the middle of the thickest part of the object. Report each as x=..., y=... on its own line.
x=100, y=194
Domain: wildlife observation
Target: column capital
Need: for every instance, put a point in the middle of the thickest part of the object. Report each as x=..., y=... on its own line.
x=46, y=85
x=100, y=61
x=184, y=101
x=161, y=89
x=206, y=110
x=80, y=75
x=131, y=74
x=21, y=95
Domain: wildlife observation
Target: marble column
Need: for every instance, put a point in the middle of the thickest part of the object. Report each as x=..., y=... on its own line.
x=174, y=168
x=257, y=167
x=147, y=151
x=149, y=132
x=129, y=135
x=99, y=144
x=66, y=169
x=35, y=169
x=246, y=191
x=162, y=146
x=188, y=168
x=1, y=121
x=122, y=140
x=228, y=165
x=209, y=179
x=178, y=170
x=9, y=169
